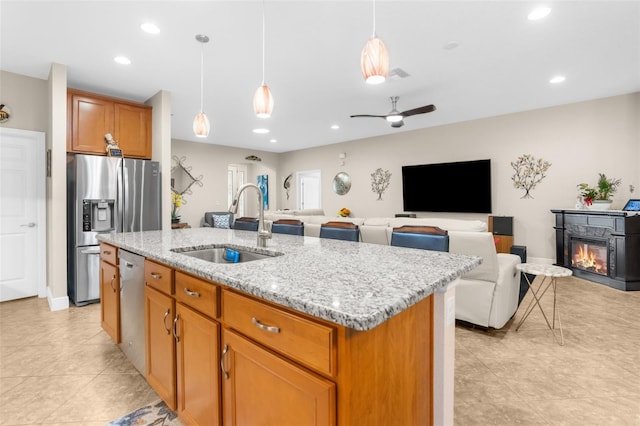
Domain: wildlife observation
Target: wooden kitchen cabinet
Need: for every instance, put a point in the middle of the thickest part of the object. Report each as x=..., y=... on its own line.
x=90, y=117
x=260, y=387
x=110, y=292
x=160, y=344
x=198, y=367
x=182, y=343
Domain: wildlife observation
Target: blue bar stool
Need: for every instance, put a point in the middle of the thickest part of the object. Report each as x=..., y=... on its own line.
x=345, y=231
x=246, y=224
x=420, y=237
x=288, y=226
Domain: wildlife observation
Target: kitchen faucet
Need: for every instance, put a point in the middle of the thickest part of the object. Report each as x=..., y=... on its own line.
x=263, y=233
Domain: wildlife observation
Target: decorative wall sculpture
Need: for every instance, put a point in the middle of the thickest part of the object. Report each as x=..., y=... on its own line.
x=263, y=184
x=287, y=184
x=528, y=173
x=380, y=180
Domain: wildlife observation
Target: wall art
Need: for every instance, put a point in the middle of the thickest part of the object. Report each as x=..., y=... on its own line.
x=529, y=171
x=263, y=184
x=380, y=180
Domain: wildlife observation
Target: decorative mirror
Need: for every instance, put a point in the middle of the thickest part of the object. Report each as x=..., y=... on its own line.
x=341, y=183
x=181, y=177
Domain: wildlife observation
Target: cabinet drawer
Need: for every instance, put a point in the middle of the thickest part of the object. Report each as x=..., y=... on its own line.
x=109, y=253
x=197, y=293
x=298, y=338
x=158, y=276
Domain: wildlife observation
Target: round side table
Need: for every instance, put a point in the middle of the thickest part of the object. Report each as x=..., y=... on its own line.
x=550, y=273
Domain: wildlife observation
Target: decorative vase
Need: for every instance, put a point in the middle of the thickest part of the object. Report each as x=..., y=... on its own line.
x=175, y=220
x=600, y=205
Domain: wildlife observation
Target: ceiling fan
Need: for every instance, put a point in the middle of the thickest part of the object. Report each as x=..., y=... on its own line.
x=395, y=117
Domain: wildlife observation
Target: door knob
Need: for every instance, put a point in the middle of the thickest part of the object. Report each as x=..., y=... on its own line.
x=28, y=225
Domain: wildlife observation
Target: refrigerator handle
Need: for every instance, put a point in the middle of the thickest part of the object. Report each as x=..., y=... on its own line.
x=119, y=225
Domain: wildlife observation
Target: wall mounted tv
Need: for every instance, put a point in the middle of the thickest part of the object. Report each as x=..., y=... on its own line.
x=460, y=187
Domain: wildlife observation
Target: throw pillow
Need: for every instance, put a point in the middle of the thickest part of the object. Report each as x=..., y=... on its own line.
x=221, y=221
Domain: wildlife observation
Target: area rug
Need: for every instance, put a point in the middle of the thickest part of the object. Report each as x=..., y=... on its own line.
x=156, y=414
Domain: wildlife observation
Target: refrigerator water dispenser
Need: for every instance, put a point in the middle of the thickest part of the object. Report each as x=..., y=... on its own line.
x=98, y=215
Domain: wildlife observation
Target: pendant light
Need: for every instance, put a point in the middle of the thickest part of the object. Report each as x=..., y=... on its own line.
x=262, y=99
x=201, y=126
x=375, y=57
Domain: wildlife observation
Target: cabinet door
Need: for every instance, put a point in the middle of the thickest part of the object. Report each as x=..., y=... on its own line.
x=110, y=300
x=132, y=130
x=261, y=388
x=160, y=344
x=91, y=119
x=198, y=365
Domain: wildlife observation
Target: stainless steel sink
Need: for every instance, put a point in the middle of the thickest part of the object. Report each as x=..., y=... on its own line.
x=225, y=254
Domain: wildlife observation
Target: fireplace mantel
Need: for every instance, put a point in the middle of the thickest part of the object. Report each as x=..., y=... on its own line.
x=616, y=232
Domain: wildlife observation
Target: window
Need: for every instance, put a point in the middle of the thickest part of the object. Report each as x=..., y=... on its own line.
x=235, y=179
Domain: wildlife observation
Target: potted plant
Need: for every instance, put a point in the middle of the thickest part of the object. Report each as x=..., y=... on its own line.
x=601, y=194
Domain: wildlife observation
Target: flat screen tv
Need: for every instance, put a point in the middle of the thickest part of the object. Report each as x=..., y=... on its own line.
x=459, y=187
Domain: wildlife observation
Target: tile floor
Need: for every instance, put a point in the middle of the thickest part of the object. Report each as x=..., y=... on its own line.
x=60, y=368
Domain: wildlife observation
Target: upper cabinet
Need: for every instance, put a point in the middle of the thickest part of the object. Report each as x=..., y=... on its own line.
x=90, y=117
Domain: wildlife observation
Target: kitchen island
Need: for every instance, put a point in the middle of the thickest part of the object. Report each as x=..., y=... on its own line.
x=381, y=320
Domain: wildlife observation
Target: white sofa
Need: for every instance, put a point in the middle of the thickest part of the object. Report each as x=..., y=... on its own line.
x=486, y=296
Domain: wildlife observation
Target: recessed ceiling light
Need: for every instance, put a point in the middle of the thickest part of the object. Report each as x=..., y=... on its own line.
x=335, y=127
x=273, y=140
x=123, y=60
x=539, y=13
x=150, y=28
x=260, y=131
x=557, y=79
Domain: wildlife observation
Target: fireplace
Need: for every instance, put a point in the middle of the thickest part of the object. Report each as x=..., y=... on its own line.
x=600, y=246
x=589, y=255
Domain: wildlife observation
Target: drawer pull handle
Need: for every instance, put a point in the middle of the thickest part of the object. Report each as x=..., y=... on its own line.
x=225, y=350
x=164, y=322
x=106, y=252
x=191, y=293
x=175, y=328
x=156, y=275
x=261, y=326
x=112, y=280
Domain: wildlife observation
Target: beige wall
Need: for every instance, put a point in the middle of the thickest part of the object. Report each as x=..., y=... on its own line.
x=580, y=140
x=211, y=162
x=27, y=99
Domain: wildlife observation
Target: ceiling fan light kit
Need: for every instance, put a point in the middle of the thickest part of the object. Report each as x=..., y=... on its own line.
x=201, y=125
x=262, y=98
x=397, y=118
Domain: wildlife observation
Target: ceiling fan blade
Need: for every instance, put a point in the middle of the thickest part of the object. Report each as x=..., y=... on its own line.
x=421, y=110
x=368, y=115
x=397, y=124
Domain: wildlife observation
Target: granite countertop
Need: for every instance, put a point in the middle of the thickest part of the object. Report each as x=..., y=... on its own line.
x=357, y=285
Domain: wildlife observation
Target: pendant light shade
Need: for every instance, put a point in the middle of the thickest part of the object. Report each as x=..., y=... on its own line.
x=375, y=61
x=262, y=99
x=201, y=125
x=375, y=57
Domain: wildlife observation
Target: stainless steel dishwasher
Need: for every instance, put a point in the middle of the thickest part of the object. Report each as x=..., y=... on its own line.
x=132, y=308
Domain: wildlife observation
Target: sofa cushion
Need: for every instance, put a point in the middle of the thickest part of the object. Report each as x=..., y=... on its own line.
x=479, y=244
x=444, y=223
x=221, y=221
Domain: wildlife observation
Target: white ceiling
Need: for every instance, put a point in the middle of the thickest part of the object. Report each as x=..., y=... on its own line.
x=503, y=62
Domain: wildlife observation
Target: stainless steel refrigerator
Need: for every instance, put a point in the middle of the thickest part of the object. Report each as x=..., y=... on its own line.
x=105, y=194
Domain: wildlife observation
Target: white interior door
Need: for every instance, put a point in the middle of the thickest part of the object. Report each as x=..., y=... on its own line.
x=22, y=214
x=309, y=189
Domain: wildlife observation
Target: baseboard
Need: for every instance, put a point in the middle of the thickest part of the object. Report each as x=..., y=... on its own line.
x=542, y=260
x=57, y=303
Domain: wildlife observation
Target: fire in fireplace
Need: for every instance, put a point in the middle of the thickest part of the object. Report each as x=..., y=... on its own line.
x=589, y=255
